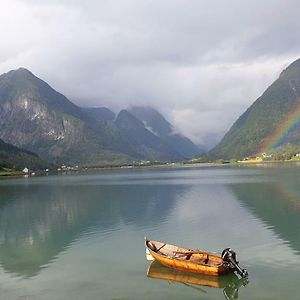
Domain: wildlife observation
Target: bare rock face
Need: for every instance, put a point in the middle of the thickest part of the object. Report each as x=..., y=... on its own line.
x=27, y=121
x=36, y=117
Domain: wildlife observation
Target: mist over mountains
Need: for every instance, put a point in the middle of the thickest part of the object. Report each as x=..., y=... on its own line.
x=35, y=117
x=38, y=119
x=158, y=125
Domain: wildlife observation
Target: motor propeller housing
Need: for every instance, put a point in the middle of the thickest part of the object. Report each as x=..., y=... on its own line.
x=229, y=256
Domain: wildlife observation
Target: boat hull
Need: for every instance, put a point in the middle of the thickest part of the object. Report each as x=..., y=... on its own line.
x=199, y=262
x=158, y=271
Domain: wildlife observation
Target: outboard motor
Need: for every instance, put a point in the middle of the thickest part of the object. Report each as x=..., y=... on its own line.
x=229, y=256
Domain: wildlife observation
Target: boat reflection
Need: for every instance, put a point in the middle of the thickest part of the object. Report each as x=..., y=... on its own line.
x=230, y=283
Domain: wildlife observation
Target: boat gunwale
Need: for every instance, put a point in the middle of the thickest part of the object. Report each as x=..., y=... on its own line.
x=216, y=269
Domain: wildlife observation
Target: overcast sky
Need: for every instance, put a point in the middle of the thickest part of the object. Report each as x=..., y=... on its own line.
x=200, y=62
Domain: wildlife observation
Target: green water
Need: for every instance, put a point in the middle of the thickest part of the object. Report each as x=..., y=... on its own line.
x=81, y=236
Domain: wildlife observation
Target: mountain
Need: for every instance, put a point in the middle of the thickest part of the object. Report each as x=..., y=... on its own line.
x=13, y=157
x=159, y=126
x=146, y=144
x=35, y=117
x=270, y=122
x=102, y=113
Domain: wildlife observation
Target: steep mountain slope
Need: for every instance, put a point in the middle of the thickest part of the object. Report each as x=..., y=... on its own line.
x=157, y=124
x=271, y=121
x=146, y=144
x=36, y=117
x=13, y=157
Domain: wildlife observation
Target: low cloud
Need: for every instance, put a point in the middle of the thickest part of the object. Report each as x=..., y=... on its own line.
x=202, y=63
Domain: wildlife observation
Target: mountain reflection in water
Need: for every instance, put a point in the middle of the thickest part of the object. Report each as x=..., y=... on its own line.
x=277, y=204
x=35, y=228
x=81, y=236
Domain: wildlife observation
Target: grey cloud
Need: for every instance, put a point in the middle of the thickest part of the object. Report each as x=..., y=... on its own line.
x=200, y=62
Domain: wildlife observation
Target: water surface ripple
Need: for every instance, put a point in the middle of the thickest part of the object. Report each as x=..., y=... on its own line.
x=81, y=236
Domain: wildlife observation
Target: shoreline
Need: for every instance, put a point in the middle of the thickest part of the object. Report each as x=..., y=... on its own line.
x=11, y=174
x=19, y=174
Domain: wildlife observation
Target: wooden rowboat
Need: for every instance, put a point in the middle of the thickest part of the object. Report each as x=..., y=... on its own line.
x=186, y=259
x=195, y=261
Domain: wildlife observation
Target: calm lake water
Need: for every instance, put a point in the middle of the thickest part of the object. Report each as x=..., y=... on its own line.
x=81, y=236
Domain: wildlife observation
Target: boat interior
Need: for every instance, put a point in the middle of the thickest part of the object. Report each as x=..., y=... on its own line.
x=184, y=254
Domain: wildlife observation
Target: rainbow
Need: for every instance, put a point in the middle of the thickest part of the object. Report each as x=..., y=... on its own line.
x=282, y=131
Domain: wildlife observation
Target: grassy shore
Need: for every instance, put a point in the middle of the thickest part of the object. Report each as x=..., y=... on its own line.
x=9, y=172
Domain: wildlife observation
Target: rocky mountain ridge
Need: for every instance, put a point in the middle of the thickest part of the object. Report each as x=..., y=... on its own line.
x=158, y=125
x=35, y=117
